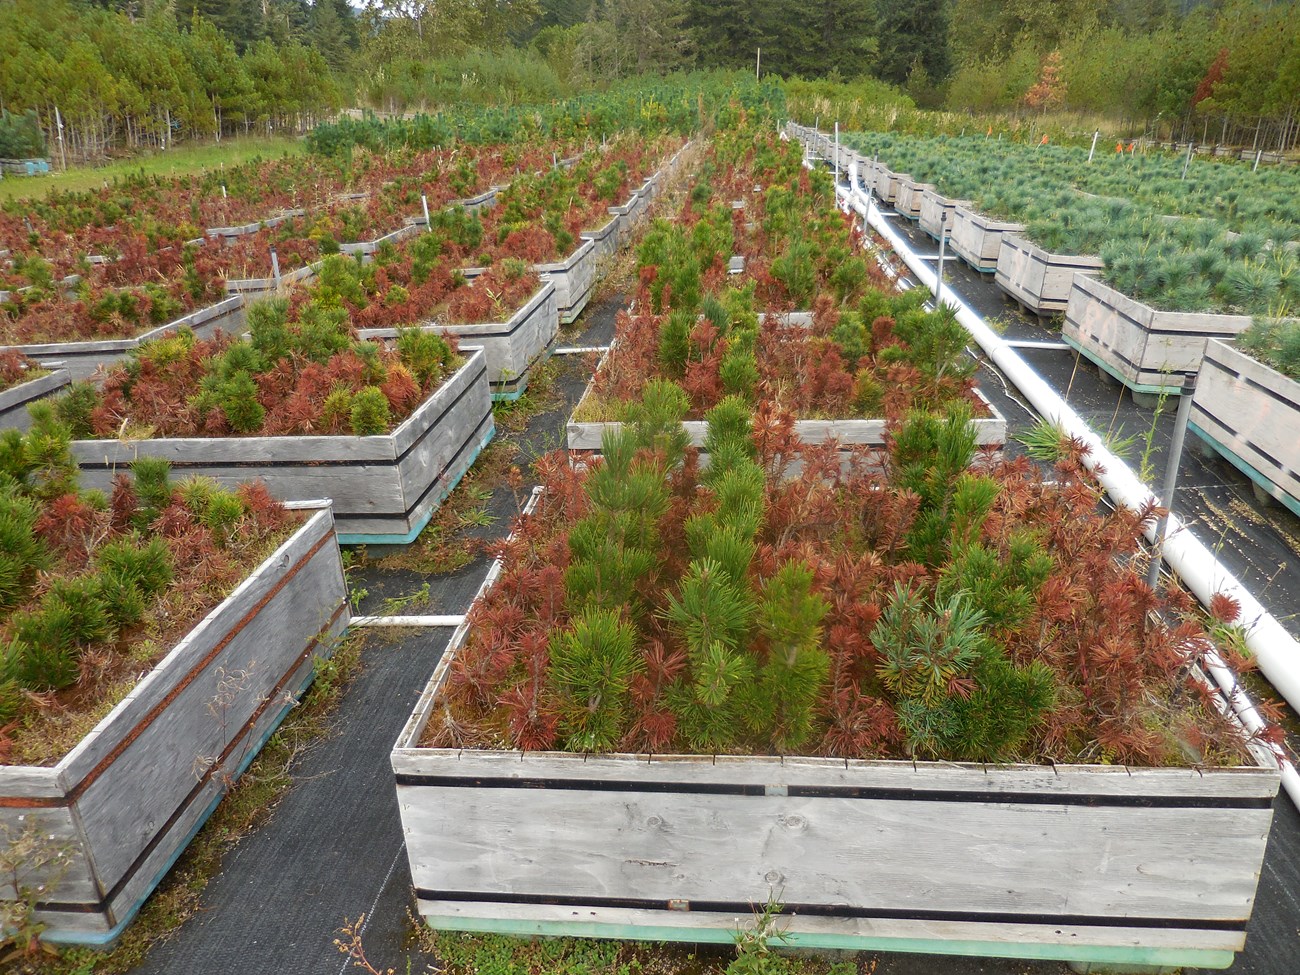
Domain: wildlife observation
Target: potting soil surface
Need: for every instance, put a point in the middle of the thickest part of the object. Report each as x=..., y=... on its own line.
x=333, y=847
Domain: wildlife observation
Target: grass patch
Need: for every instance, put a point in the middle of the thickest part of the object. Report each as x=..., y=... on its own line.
x=541, y=396
x=248, y=804
x=174, y=162
x=446, y=545
x=487, y=954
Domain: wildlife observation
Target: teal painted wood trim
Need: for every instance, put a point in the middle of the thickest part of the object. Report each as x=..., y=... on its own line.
x=1119, y=377
x=1114, y=955
x=504, y=395
x=105, y=939
x=414, y=533
x=1231, y=457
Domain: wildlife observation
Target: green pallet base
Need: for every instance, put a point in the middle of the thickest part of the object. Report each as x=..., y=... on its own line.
x=1264, y=483
x=1112, y=955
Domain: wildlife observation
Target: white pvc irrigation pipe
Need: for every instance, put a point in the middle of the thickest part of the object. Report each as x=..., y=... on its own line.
x=1276, y=651
x=412, y=621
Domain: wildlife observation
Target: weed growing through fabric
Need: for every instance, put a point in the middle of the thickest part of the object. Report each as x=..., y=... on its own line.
x=1146, y=469
x=446, y=545
x=464, y=953
x=31, y=861
x=394, y=605
x=512, y=416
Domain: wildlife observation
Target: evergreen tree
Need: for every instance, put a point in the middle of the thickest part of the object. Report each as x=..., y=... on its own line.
x=912, y=32
x=333, y=32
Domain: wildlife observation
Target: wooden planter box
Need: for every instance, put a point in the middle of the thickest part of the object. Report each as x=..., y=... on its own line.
x=82, y=359
x=574, y=279
x=1149, y=351
x=127, y=800
x=15, y=400
x=512, y=348
x=1039, y=280
x=1079, y=863
x=886, y=184
x=385, y=488
x=910, y=195
x=244, y=229
x=1250, y=414
x=629, y=215
x=990, y=432
x=604, y=240
x=934, y=207
x=977, y=239
x=253, y=288
x=367, y=248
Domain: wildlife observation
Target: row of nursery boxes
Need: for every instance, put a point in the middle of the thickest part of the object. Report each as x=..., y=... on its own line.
x=1244, y=410
x=573, y=278
x=1038, y=280
x=385, y=488
x=1081, y=863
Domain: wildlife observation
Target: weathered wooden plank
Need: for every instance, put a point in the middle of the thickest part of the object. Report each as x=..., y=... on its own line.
x=605, y=239
x=30, y=782
x=458, y=387
x=1252, y=412
x=69, y=879
x=1147, y=349
x=1038, y=279
x=886, y=184
x=938, y=213
x=574, y=279
x=992, y=431
x=170, y=735
x=910, y=196
x=243, y=230
x=878, y=933
x=259, y=287
x=934, y=856
x=368, y=247
x=1062, y=781
x=216, y=452
x=977, y=239
x=14, y=401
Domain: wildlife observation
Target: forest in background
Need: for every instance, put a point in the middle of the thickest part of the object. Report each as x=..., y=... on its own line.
x=133, y=74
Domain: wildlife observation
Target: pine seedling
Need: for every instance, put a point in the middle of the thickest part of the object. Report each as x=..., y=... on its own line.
x=22, y=552
x=50, y=469
x=147, y=567
x=675, y=342
x=592, y=666
x=47, y=658
x=656, y=420
x=268, y=328
x=710, y=609
x=79, y=602
x=785, y=700
x=237, y=397
x=707, y=704
x=74, y=408
x=371, y=413
x=152, y=487
x=924, y=652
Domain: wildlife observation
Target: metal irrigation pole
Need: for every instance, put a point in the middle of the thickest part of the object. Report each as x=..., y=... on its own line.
x=1171, y=477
